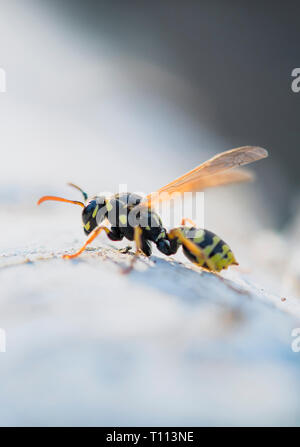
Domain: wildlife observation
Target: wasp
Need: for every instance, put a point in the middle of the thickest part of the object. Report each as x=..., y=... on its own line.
x=133, y=217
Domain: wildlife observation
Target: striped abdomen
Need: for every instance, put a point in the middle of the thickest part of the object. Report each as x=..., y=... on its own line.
x=216, y=254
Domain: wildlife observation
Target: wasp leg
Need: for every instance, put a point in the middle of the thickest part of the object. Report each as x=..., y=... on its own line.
x=146, y=247
x=93, y=235
x=190, y=221
x=138, y=244
x=192, y=247
x=125, y=250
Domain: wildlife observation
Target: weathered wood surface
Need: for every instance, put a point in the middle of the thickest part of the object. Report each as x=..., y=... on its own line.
x=167, y=344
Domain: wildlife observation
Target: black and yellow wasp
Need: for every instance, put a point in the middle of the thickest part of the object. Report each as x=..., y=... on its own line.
x=134, y=218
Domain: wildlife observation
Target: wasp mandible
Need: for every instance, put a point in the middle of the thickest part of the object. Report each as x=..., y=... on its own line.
x=200, y=246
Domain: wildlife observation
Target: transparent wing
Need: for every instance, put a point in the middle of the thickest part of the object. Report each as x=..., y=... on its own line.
x=213, y=172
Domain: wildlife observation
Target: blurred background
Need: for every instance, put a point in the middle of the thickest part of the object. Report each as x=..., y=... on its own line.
x=104, y=93
x=108, y=93
x=168, y=83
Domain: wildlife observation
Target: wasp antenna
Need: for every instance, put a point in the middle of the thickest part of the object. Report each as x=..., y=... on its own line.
x=85, y=196
x=59, y=199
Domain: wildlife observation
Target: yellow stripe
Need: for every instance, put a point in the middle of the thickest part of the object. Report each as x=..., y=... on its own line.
x=220, y=261
x=95, y=211
x=108, y=205
x=209, y=248
x=87, y=226
x=199, y=236
x=123, y=219
x=161, y=235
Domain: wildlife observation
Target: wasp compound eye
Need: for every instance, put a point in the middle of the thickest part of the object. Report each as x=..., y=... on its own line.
x=93, y=214
x=89, y=216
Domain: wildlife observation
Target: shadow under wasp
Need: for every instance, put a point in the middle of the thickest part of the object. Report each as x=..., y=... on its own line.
x=200, y=246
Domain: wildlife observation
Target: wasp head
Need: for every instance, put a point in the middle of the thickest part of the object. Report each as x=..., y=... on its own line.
x=93, y=214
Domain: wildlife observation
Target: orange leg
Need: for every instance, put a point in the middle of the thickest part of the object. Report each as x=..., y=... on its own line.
x=190, y=221
x=93, y=235
x=191, y=246
x=138, y=244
